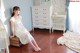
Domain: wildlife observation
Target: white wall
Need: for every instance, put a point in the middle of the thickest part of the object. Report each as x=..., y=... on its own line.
x=36, y=2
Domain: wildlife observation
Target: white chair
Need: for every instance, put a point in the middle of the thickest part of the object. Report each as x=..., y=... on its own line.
x=59, y=15
x=3, y=38
x=59, y=21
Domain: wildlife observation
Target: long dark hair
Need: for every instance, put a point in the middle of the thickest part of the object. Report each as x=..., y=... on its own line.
x=15, y=8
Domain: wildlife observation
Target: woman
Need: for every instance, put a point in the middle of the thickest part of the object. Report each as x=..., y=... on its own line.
x=20, y=31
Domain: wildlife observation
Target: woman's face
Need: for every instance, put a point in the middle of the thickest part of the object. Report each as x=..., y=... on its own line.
x=17, y=12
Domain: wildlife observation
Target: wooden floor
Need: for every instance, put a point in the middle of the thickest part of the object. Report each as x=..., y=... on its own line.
x=46, y=41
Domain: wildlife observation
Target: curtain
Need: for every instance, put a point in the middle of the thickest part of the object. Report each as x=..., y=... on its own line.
x=74, y=16
x=2, y=35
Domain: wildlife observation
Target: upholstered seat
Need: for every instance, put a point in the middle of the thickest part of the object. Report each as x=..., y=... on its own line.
x=14, y=41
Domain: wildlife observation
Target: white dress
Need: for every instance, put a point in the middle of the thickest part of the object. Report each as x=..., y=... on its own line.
x=21, y=32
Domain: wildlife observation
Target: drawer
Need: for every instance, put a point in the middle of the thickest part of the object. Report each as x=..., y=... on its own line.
x=36, y=20
x=45, y=21
x=45, y=13
x=45, y=9
x=45, y=17
x=35, y=13
x=43, y=26
x=35, y=17
x=36, y=24
x=35, y=8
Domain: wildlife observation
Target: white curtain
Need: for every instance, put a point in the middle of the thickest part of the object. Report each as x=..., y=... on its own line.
x=3, y=37
x=74, y=16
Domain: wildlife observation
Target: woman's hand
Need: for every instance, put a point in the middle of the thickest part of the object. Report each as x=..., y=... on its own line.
x=11, y=36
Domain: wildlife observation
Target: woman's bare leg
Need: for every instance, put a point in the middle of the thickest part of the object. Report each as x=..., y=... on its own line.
x=34, y=42
x=35, y=48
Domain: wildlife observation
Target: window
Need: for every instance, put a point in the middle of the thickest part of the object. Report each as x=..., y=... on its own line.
x=73, y=0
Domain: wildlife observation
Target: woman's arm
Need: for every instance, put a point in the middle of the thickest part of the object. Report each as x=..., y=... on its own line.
x=12, y=27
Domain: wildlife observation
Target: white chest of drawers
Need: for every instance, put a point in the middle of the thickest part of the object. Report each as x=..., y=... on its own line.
x=59, y=22
x=41, y=17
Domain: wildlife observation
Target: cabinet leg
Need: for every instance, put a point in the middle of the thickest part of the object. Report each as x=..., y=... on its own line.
x=63, y=31
x=52, y=30
x=33, y=29
x=49, y=30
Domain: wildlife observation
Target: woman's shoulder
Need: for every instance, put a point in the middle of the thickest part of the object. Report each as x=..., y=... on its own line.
x=12, y=19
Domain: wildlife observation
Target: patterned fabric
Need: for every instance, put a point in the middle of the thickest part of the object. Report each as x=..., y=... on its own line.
x=21, y=32
x=59, y=6
x=70, y=39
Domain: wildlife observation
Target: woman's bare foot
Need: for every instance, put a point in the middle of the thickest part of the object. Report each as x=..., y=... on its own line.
x=39, y=49
x=36, y=49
